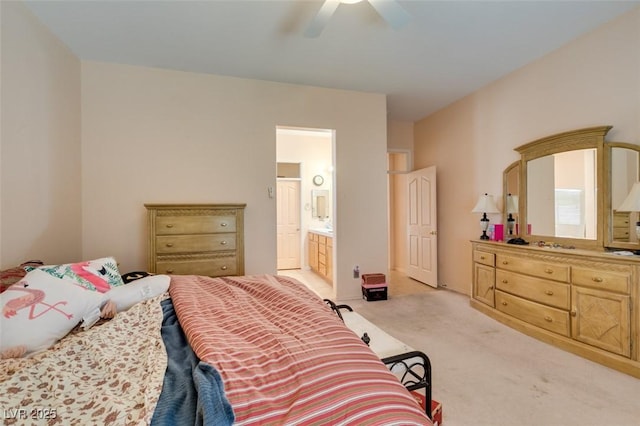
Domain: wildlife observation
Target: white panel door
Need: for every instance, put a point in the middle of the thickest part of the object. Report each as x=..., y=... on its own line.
x=288, y=226
x=422, y=224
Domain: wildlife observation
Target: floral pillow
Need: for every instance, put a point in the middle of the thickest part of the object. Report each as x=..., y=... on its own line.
x=99, y=275
x=40, y=309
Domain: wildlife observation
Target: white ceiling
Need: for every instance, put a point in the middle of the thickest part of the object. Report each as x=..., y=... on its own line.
x=446, y=51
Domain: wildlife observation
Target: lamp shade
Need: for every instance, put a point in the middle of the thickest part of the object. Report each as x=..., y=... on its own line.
x=632, y=202
x=512, y=204
x=485, y=204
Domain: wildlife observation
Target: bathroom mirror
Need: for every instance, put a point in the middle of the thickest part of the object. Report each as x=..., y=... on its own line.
x=320, y=203
x=559, y=197
x=622, y=162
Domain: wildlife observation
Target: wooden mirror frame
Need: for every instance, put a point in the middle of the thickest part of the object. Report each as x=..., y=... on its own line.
x=592, y=137
x=608, y=217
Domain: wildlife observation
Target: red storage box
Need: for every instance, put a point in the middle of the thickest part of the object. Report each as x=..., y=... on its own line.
x=373, y=279
x=436, y=407
x=372, y=292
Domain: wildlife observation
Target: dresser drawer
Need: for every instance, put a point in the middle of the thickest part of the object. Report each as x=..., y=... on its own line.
x=621, y=220
x=212, y=267
x=546, y=317
x=548, y=270
x=195, y=243
x=484, y=257
x=172, y=225
x=621, y=233
x=550, y=293
x=605, y=280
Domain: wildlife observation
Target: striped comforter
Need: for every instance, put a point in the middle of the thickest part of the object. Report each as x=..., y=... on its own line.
x=285, y=358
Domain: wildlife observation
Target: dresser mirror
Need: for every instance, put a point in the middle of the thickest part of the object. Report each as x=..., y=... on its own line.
x=559, y=201
x=622, y=168
x=565, y=183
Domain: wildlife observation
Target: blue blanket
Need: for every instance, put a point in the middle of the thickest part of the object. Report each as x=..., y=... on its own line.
x=192, y=391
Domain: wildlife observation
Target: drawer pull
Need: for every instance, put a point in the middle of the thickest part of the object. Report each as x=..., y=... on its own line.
x=504, y=262
x=504, y=303
x=574, y=312
x=223, y=267
x=548, y=271
x=548, y=319
x=597, y=279
x=169, y=225
x=481, y=257
x=169, y=244
x=223, y=224
x=223, y=242
x=505, y=281
x=548, y=292
x=169, y=271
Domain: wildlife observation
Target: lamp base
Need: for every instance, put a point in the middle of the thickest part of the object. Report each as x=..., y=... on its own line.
x=484, y=236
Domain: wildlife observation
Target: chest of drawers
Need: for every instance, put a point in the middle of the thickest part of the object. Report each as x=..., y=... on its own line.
x=196, y=239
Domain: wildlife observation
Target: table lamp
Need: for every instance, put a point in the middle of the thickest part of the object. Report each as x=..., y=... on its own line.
x=485, y=205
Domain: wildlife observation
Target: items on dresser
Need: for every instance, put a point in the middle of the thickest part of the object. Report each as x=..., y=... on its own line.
x=579, y=300
x=196, y=239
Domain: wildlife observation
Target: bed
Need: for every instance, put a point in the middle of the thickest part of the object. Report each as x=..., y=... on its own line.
x=250, y=350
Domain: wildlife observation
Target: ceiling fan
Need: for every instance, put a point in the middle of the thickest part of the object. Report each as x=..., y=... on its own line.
x=390, y=10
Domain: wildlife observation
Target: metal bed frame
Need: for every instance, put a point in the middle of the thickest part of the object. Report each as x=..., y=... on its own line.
x=415, y=365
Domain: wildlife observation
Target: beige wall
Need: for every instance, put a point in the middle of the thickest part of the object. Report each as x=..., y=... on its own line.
x=152, y=135
x=40, y=214
x=594, y=80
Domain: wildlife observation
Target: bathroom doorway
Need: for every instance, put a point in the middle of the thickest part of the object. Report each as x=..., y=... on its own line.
x=305, y=195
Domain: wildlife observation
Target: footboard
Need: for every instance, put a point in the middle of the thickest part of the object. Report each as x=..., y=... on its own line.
x=414, y=371
x=413, y=368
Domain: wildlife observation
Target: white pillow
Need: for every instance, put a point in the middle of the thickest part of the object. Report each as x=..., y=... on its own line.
x=125, y=296
x=40, y=309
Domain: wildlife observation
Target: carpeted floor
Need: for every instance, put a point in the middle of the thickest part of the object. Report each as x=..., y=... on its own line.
x=485, y=373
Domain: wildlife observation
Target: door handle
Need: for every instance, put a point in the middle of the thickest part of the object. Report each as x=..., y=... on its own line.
x=433, y=232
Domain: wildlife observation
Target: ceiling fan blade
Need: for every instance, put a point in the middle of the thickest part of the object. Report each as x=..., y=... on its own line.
x=321, y=18
x=392, y=12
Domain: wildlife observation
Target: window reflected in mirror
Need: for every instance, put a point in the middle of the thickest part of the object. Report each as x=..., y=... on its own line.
x=562, y=194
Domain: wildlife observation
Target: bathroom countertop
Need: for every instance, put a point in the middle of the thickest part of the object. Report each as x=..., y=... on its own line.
x=325, y=232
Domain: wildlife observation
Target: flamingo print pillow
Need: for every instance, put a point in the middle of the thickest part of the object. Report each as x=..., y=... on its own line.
x=99, y=275
x=40, y=309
